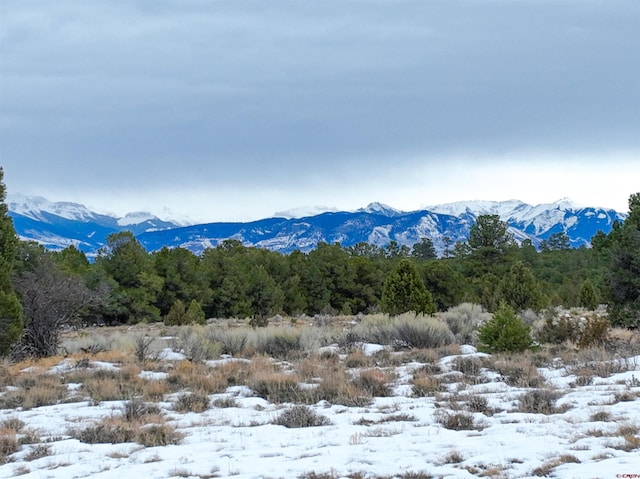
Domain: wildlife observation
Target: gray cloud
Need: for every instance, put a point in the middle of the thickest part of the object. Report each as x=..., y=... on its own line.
x=103, y=95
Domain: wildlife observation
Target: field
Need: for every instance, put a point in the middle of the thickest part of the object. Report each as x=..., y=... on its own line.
x=317, y=399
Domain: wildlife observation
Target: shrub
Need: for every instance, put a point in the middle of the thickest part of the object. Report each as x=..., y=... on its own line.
x=135, y=410
x=142, y=346
x=459, y=421
x=154, y=435
x=301, y=416
x=425, y=385
x=105, y=433
x=8, y=444
x=463, y=321
x=505, y=332
x=421, y=332
x=540, y=401
x=192, y=342
x=38, y=451
x=374, y=382
x=278, y=343
x=232, y=342
x=517, y=371
x=197, y=377
x=546, y=470
x=476, y=403
x=192, y=402
x=277, y=387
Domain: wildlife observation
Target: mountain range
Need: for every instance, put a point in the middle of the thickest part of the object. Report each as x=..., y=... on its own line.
x=57, y=225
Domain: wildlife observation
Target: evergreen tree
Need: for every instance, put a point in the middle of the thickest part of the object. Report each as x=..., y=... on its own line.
x=505, y=332
x=520, y=289
x=126, y=262
x=556, y=242
x=588, y=296
x=623, y=279
x=424, y=249
x=11, y=321
x=490, y=233
x=195, y=314
x=404, y=291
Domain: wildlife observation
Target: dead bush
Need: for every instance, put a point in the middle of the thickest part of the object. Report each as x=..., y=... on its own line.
x=458, y=421
x=192, y=402
x=374, y=382
x=540, y=401
x=301, y=416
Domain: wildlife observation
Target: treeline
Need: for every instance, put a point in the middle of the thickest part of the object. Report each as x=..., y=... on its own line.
x=126, y=284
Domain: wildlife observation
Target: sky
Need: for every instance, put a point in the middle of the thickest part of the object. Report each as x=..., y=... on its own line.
x=235, y=110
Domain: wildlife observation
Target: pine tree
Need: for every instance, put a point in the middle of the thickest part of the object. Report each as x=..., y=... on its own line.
x=520, y=289
x=424, y=249
x=623, y=279
x=404, y=291
x=505, y=332
x=11, y=321
x=588, y=296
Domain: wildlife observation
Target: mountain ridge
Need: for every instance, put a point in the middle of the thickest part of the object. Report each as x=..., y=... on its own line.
x=57, y=225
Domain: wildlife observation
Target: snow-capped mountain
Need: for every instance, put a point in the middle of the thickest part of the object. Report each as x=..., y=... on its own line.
x=57, y=225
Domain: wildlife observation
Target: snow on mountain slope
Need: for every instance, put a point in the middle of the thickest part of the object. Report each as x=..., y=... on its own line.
x=380, y=209
x=39, y=208
x=56, y=225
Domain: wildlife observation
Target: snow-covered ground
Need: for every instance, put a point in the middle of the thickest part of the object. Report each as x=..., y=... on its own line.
x=397, y=436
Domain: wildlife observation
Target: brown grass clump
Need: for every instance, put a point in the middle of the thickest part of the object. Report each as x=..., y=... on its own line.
x=196, y=377
x=547, y=468
x=35, y=390
x=337, y=388
x=139, y=423
x=540, y=401
x=458, y=421
x=317, y=366
x=374, y=382
x=301, y=416
x=517, y=370
x=9, y=444
x=426, y=385
x=278, y=387
x=192, y=402
x=111, y=388
x=357, y=359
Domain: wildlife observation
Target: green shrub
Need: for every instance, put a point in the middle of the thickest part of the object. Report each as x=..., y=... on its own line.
x=505, y=332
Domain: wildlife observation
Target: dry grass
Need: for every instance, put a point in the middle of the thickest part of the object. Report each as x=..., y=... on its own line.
x=197, y=377
x=540, y=401
x=426, y=385
x=457, y=421
x=149, y=431
x=516, y=370
x=9, y=444
x=547, y=468
x=375, y=382
x=301, y=416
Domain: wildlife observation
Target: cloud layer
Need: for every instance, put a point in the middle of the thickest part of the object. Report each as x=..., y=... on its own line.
x=260, y=102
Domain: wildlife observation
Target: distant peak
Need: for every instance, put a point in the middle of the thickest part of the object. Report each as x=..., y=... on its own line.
x=380, y=208
x=304, y=211
x=567, y=203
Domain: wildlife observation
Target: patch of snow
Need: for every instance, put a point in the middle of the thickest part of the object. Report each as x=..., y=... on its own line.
x=170, y=355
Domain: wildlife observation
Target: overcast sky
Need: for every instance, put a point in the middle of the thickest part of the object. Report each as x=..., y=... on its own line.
x=235, y=109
